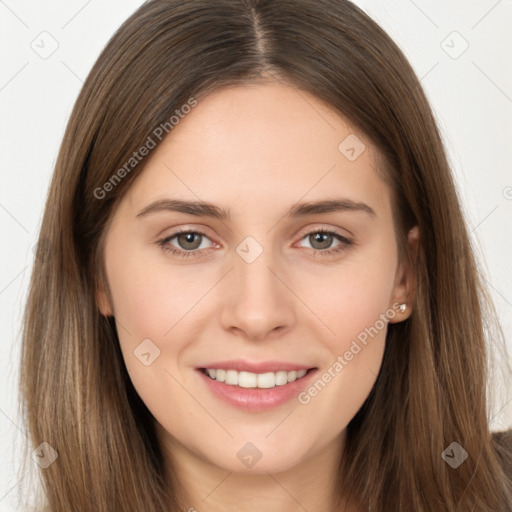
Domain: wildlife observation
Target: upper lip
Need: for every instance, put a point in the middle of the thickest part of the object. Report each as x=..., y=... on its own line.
x=256, y=367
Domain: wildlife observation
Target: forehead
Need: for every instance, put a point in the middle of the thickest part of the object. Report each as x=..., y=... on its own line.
x=259, y=148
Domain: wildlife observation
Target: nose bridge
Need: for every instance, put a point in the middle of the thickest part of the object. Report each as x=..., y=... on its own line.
x=256, y=280
x=259, y=301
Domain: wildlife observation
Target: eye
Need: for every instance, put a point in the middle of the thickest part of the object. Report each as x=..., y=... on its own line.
x=190, y=242
x=322, y=240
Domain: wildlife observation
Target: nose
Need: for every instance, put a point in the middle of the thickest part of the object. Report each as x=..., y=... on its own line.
x=259, y=302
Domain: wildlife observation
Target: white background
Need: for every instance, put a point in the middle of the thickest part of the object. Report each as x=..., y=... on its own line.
x=471, y=96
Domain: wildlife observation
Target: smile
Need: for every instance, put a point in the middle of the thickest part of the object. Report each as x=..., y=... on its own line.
x=255, y=387
x=254, y=380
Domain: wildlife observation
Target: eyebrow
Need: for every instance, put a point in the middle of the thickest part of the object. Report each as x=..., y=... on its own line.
x=205, y=209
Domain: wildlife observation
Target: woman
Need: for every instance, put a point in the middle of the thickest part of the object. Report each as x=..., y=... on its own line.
x=250, y=370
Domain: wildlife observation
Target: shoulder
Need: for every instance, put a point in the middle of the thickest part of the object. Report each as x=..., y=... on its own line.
x=502, y=442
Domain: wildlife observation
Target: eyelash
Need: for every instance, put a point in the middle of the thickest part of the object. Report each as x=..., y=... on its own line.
x=186, y=254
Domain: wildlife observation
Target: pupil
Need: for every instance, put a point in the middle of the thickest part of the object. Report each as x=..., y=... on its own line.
x=325, y=236
x=188, y=238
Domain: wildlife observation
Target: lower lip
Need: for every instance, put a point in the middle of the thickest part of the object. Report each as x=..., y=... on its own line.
x=257, y=399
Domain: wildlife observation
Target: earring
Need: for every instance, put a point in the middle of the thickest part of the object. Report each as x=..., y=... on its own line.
x=402, y=308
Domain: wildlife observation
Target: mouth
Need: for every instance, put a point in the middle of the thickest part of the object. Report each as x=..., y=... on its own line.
x=251, y=380
x=255, y=386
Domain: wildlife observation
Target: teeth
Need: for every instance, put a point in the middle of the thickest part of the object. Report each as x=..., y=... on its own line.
x=246, y=379
x=231, y=378
x=281, y=378
x=254, y=380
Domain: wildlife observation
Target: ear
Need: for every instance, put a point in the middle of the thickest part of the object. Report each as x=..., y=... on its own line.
x=103, y=299
x=404, y=289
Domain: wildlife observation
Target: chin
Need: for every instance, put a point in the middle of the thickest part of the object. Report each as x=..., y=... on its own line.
x=257, y=456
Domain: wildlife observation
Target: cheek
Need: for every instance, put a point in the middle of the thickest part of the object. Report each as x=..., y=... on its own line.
x=354, y=304
x=351, y=297
x=150, y=298
x=153, y=302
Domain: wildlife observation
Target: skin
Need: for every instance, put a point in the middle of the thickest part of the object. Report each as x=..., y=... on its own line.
x=254, y=150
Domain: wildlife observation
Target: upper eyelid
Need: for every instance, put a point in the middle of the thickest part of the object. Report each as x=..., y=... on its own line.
x=317, y=229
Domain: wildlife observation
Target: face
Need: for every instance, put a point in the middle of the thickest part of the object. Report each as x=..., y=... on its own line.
x=264, y=294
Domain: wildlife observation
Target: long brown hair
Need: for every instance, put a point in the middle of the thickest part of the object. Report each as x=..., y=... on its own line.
x=432, y=387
